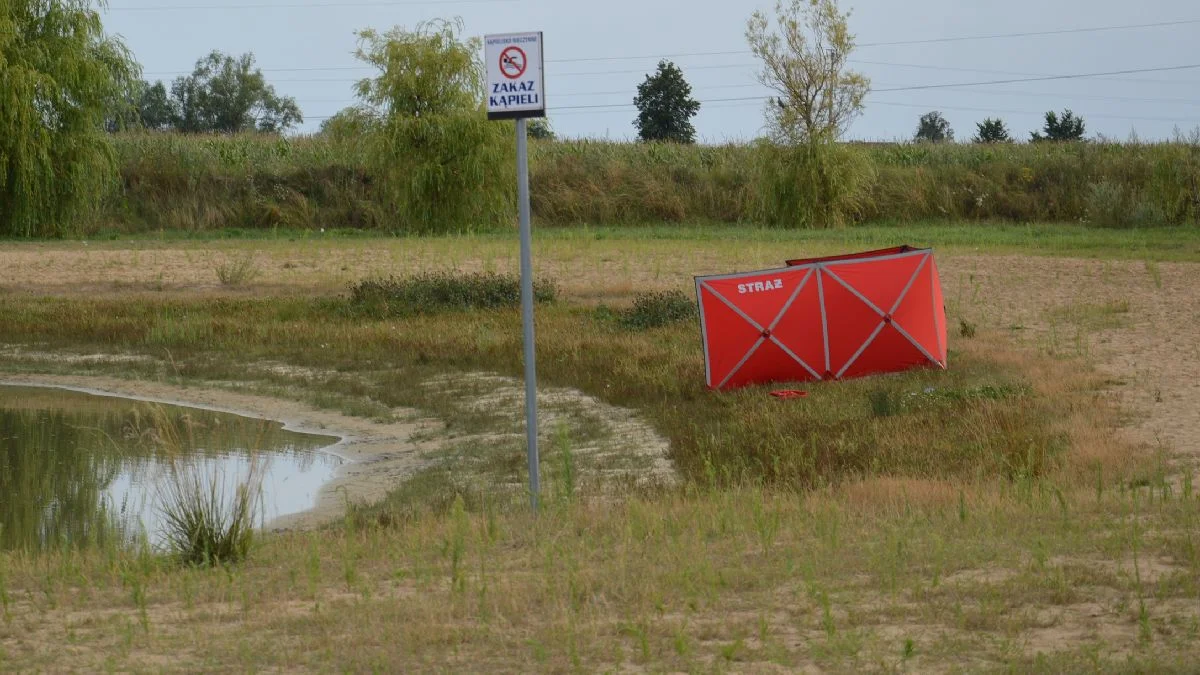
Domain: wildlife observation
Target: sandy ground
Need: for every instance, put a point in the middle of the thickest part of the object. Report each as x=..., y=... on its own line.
x=1149, y=345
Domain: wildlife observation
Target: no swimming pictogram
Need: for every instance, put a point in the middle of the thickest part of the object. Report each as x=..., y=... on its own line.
x=514, y=76
x=513, y=62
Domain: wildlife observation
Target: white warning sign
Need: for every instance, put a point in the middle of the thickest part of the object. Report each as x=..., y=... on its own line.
x=515, y=85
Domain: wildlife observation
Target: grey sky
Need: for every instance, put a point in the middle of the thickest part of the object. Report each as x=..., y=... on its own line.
x=579, y=35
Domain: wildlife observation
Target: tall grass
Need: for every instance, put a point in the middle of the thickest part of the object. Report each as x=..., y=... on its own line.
x=812, y=185
x=199, y=183
x=202, y=183
x=599, y=182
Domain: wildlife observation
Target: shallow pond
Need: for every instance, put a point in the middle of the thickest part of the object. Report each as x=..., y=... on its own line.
x=80, y=469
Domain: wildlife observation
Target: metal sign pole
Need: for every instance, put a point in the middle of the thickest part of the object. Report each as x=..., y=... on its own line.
x=515, y=90
x=527, y=310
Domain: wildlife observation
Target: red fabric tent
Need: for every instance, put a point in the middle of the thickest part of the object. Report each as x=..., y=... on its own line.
x=823, y=319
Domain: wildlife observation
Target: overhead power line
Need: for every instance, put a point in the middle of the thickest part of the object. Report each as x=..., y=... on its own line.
x=575, y=74
x=1079, y=97
x=956, y=85
x=920, y=66
x=1024, y=76
x=163, y=73
x=386, y=3
x=1044, y=78
x=963, y=38
x=300, y=5
x=1062, y=31
x=306, y=69
x=751, y=101
x=558, y=96
x=680, y=55
x=925, y=66
x=555, y=112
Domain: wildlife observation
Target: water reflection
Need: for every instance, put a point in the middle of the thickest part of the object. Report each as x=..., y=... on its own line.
x=82, y=470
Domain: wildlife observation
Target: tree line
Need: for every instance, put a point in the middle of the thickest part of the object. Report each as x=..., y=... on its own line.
x=223, y=94
x=1065, y=128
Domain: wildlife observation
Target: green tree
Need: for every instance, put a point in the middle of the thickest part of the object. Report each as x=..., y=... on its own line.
x=59, y=78
x=1065, y=128
x=154, y=106
x=441, y=164
x=348, y=123
x=992, y=131
x=665, y=106
x=539, y=128
x=226, y=94
x=805, y=177
x=143, y=106
x=804, y=62
x=933, y=128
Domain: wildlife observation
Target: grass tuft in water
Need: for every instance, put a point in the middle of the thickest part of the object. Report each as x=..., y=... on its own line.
x=204, y=525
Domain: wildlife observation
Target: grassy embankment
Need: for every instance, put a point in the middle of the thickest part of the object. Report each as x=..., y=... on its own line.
x=202, y=184
x=996, y=521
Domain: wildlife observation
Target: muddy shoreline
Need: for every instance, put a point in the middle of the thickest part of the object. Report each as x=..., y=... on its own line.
x=376, y=456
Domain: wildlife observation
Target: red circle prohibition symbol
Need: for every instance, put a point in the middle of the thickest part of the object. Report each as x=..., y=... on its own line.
x=513, y=62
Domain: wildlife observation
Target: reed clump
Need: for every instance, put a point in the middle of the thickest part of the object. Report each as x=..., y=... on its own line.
x=209, y=520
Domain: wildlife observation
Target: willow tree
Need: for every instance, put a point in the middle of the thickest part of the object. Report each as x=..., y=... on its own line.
x=440, y=164
x=60, y=76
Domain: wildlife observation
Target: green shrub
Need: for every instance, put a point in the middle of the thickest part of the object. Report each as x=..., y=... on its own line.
x=434, y=292
x=653, y=310
x=1107, y=204
x=966, y=328
x=61, y=76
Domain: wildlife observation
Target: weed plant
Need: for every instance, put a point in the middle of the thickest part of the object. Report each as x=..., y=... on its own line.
x=239, y=271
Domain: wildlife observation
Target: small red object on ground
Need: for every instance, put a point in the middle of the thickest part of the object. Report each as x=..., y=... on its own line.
x=789, y=393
